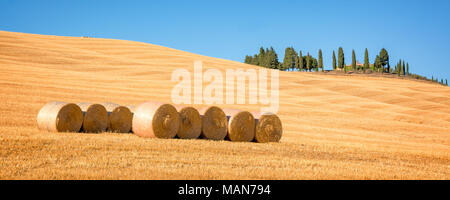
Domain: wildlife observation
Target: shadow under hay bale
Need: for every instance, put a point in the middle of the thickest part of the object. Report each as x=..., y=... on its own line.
x=268, y=128
x=132, y=108
x=190, y=123
x=95, y=118
x=154, y=119
x=241, y=125
x=60, y=117
x=214, y=123
x=119, y=118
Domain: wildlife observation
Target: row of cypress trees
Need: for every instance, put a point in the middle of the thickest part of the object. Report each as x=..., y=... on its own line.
x=294, y=61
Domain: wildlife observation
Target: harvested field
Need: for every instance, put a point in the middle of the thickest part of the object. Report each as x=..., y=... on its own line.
x=334, y=126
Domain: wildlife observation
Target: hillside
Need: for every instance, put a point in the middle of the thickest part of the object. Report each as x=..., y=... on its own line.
x=335, y=127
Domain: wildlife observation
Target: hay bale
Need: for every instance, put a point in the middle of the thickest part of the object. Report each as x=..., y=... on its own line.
x=154, y=119
x=214, y=123
x=119, y=118
x=95, y=118
x=241, y=125
x=60, y=117
x=190, y=123
x=268, y=128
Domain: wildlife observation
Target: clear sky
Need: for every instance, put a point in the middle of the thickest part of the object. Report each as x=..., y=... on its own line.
x=417, y=31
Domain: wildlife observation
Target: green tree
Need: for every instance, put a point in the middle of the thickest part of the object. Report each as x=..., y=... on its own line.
x=261, y=57
x=334, y=61
x=341, y=61
x=407, y=69
x=353, y=60
x=384, y=57
x=320, y=60
x=272, y=59
x=248, y=59
x=290, y=57
x=446, y=82
x=301, y=65
x=377, y=63
x=399, y=67
x=255, y=60
x=308, y=62
x=366, y=60
x=403, y=68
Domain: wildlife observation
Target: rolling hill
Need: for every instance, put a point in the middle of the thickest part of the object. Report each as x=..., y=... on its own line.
x=335, y=127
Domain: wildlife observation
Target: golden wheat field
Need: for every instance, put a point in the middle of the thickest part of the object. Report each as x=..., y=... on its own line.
x=334, y=126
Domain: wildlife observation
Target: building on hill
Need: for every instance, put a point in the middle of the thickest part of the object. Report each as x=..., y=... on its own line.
x=358, y=64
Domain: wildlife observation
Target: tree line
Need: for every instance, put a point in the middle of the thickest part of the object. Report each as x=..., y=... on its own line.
x=294, y=61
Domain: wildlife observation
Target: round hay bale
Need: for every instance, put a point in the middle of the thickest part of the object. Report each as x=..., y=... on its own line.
x=241, y=125
x=119, y=118
x=268, y=128
x=214, y=123
x=154, y=119
x=190, y=123
x=95, y=118
x=60, y=117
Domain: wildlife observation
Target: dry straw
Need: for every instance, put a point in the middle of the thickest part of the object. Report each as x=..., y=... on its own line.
x=95, y=118
x=154, y=119
x=119, y=118
x=268, y=128
x=214, y=123
x=241, y=125
x=60, y=117
x=191, y=123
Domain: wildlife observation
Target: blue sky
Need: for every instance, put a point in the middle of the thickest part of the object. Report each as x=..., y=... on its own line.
x=417, y=31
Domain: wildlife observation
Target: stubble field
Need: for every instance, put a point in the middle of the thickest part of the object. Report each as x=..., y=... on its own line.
x=335, y=127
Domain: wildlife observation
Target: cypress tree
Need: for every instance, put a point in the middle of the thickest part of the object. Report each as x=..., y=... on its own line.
x=446, y=82
x=407, y=69
x=403, y=68
x=255, y=60
x=384, y=58
x=366, y=60
x=301, y=64
x=261, y=57
x=290, y=56
x=377, y=64
x=308, y=62
x=334, y=61
x=248, y=59
x=320, y=59
x=272, y=59
x=341, y=61
x=353, y=60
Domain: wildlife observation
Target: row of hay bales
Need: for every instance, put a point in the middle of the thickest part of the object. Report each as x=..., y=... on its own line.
x=154, y=119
